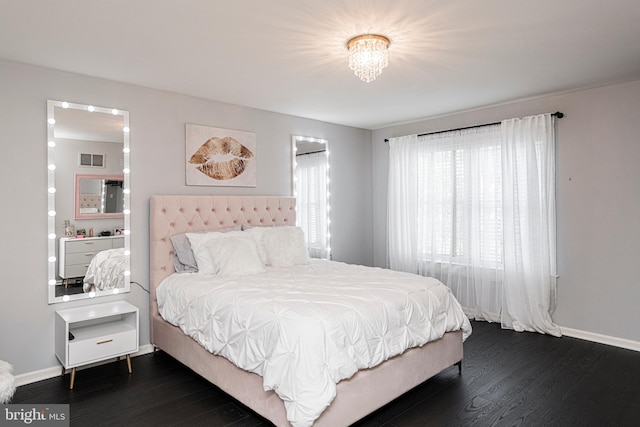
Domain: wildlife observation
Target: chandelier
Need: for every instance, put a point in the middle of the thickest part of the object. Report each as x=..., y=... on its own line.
x=368, y=56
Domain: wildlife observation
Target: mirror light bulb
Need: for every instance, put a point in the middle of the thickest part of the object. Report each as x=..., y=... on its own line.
x=125, y=129
x=52, y=144
x=52, y=212
x=92, y=294
x=51, y=167
x=116, y=291
x=91, y=108
x=126, y=191
x=126, y=170
x=126, y=211
x=65, y=105
x=52, y=190
x=52, y=259
x=126, y=232
x=51, y=121
x=52, y=236
x=52, y=282
x=65, y=298
x=127, y=273
x=127, y=253
x=114, y=112
x=126, y=150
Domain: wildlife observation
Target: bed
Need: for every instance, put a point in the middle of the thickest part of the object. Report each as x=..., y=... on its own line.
x=105, y=271
x=355, y=396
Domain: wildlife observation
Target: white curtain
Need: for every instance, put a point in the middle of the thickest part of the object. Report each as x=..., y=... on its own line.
x=456, y=212
x=311, y=201
x=528, y=164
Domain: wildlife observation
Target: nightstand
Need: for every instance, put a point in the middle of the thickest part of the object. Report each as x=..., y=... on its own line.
x=94, y=333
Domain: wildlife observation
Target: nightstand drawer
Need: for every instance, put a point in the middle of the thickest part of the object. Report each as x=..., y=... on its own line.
x=102, y=342
x=78, y=270
x=92, y=245
x=80, y=258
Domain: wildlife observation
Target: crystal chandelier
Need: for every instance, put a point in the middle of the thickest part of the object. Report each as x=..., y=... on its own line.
x=368, y=56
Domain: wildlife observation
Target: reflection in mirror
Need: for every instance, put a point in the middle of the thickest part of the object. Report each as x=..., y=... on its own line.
x=98, y=196
x=311, y=189
x=87, y=154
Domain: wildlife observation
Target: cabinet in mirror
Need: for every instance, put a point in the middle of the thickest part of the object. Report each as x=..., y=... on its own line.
x=89, y=198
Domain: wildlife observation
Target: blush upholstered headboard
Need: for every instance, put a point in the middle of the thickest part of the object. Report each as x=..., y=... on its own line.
x=170, y=215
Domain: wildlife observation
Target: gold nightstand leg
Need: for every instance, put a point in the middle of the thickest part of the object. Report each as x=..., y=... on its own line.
x=129, y=362
x=62, y=374
x=73, y=378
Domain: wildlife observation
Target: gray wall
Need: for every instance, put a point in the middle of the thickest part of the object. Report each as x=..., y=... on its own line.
x=157, y=121
x=598, y=200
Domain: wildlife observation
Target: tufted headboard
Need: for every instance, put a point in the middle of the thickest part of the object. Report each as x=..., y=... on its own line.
x=90, y=201
x=170, y=215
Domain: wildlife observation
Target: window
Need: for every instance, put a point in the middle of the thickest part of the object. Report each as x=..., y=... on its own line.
x=475, y=208
x=459, y=191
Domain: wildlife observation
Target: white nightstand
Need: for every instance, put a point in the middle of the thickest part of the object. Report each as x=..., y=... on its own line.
x=100, y=331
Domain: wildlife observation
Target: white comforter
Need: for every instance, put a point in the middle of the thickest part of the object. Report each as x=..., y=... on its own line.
x=305, y=328
x=106, y=271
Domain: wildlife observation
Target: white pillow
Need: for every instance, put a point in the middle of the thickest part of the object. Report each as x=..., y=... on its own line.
x=257, y=234
x=201, y=254
x=285, y=246
x=234, y=256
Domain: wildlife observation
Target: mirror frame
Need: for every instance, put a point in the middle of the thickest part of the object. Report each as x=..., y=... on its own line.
x=51, y=201
x=76, y=197
x=294, y=148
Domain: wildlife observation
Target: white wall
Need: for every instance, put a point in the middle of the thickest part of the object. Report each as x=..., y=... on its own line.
x=157, y=121
x=598, y=201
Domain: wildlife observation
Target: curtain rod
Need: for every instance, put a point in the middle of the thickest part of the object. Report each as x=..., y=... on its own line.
x=311, y=152
x=557, y=114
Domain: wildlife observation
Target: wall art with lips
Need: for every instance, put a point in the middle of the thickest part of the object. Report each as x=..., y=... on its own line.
x=220, y=157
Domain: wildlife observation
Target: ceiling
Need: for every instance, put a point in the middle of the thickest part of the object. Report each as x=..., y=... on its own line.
x=289, y=56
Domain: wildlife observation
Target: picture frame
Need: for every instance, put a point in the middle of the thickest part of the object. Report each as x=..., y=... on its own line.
x=220, y=157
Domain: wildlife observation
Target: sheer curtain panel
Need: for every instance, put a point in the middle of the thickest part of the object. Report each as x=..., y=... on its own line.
x=471, y=208
x=311, y=201
x=529, y=196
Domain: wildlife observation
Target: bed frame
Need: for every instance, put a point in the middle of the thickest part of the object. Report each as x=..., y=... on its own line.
x=356, y=397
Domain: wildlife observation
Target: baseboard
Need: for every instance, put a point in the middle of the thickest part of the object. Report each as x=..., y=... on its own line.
x=55, y=371
x=602, y=339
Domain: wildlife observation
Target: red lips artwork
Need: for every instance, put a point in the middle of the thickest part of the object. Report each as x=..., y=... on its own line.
x=222, y=158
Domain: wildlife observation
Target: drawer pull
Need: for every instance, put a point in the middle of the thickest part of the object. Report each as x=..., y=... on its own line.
x=105, y=341
x=88, y=243
x=89, y=254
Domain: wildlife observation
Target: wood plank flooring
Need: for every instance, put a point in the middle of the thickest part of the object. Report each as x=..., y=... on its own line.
x=508, y=379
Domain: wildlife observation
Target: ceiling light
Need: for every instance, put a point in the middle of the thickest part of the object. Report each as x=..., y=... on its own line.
x=368, y=56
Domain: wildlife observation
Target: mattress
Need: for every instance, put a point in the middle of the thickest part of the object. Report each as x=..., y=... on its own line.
x=305, y=328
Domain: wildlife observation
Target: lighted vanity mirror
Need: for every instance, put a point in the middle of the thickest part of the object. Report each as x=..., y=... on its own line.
x=311, y=185
x=88, y=240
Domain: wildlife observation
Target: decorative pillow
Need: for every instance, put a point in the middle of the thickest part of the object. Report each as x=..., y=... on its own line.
x=201, y=254
x=234, y=256
x=285, y=246
x=183, y=259
x=257, y=234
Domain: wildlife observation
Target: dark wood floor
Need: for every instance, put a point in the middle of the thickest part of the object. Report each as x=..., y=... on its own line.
x=508, y=379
